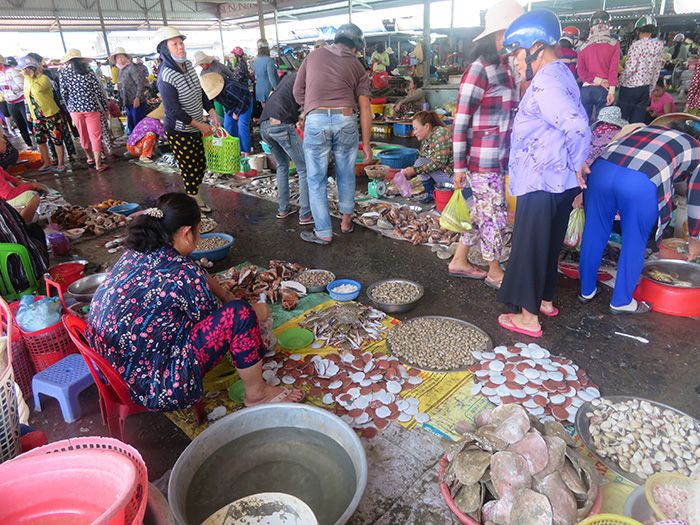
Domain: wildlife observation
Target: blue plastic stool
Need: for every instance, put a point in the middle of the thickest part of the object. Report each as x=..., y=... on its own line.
x=63, y=381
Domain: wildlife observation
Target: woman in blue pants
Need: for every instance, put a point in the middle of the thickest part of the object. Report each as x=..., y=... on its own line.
x=237, y=102
x=634, y=176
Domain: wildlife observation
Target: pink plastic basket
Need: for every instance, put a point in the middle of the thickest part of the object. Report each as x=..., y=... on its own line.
x=9, y=415
x=136, y=508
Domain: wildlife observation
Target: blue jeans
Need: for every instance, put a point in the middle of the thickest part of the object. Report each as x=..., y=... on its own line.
x=325, y=132
x=239, y=128
x=285, y=144
x=134, y=115
x=612, y=188
x=593, y=98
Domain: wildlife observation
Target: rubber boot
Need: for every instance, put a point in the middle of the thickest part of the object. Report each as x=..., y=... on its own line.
x=429, y=186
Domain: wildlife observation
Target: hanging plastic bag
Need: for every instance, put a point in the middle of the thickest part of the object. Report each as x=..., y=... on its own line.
x=455, y=216
x=574, y=232
x=405, y=188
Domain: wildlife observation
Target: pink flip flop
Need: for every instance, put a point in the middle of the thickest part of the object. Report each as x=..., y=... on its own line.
x=503, y=318
x=553, y=313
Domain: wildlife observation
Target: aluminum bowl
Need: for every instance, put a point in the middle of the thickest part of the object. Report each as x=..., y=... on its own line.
x=685, y=270
x=395, y=308
x=318, y=289
x=83, y=289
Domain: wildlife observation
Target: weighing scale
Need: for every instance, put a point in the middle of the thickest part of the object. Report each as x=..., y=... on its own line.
x=377, y=187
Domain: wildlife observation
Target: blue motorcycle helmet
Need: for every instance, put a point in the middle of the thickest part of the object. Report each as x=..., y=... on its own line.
x=538, y=25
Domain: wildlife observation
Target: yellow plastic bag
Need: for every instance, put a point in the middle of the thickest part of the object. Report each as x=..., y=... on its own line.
x=574, y=232
x=455, y=216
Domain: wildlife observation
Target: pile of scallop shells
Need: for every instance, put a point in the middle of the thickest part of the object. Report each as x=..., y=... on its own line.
x=509, y=468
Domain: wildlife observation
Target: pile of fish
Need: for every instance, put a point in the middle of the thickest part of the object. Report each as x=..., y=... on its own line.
x=407, y=223
x=345, y=325
x=249, y=284
x=511, y=469
x=668, y=278
x=362, y=388
x=94, y=221
x=549, y=387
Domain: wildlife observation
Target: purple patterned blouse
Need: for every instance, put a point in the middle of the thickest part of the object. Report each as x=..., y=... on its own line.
x=141, y=320
x=146, y=125
x=551, y=136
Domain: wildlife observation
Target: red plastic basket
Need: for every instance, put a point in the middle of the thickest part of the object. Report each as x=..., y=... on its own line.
x=65, y=274
x=46, y=346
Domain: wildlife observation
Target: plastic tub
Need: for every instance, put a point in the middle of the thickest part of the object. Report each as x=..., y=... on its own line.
x=67, y=273
x=442, y=197
x=403, y=130
x=377, y=108
x=399, y=158
x=124, y=209
x=351, y=296
x=218, y=253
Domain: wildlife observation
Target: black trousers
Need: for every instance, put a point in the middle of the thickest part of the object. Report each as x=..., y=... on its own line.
x=541, y=219
x=19, y=113
x=634, y=103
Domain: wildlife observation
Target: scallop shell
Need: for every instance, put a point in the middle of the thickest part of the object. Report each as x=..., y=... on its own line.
x=561, y=499
x=470, y=465
x=534, y=449
x=530, y=508
x=509, y=473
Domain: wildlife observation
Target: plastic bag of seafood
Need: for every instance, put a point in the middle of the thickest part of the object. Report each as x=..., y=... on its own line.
x=511, y=469
x=455, y=216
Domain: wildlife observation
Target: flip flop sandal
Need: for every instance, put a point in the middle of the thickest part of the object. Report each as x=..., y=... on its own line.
x=349, y=230
x=285, y=214
x=513, y=328
x=586, y=300
x=102, y=168
x=642, y=308
x=280, y=398
x=496, y=285
x=477, y=275
x=90, y=162
x=553, y=313
x=47, y=169
x=311, y=237
x=305, y=221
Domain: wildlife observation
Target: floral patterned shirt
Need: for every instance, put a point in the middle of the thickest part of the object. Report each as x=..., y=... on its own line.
x=643, y=63
x=142, y=320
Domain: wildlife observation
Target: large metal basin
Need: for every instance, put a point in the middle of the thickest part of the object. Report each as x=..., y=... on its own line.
x=187, y=474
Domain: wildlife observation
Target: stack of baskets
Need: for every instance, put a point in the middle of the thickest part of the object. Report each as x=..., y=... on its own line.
x=9, y=414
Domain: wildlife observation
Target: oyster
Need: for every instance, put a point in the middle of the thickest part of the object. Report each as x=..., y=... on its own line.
x=509, y=473
x=512, y=422
x=556, y=450
x=469, y=498
x=560, y=498
x=554, y=428
x=470, y=465
x=497, y=511
x=530, y=508
x=534, y=449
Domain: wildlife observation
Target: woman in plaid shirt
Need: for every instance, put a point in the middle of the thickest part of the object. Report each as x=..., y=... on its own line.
x=635, y=176
x=485, y=106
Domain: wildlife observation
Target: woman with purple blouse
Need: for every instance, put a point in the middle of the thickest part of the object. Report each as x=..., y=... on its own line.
x=549, y=145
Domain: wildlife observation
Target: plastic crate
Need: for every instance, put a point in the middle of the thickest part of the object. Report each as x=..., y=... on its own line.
x=403, y=130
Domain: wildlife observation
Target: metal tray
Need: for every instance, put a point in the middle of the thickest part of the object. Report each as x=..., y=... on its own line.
x=582, y=427
x=487, y=347
x=316, y=289
x=685, y=270
x=395, y=308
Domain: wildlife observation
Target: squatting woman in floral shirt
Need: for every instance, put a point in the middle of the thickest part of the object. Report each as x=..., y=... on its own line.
x=157, y=320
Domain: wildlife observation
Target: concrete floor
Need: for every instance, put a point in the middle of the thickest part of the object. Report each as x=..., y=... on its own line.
x=402, y=479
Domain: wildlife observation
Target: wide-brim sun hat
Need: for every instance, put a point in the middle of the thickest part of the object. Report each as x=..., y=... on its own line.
x=158, y=113
x=200, y=57
x=71, y=54
x=27, y=61
x=665, y=120
x=212, y=84
x=629, y=128
x=499, y=16
x=118, y=51
x=611, y=115
x=166, y=33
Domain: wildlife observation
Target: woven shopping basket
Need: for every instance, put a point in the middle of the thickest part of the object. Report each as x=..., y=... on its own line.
x=9, y=414
x=222, y=152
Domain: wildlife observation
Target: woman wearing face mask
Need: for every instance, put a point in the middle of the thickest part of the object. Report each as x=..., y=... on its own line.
x=549, y=145
x=184, y=103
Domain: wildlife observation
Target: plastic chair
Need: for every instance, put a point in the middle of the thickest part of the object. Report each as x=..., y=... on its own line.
x=7, y=290
x=115, y=400
x=64, y=381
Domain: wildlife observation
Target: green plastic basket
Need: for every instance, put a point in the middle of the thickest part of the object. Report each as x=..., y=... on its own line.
x=222, y=152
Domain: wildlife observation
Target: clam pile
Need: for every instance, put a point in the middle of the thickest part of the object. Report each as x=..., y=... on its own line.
x=92, y=220
x=362, y=388
x=510, y=469
x=436, y=343
x=643, y=438
x=405, y=223
x=547, y=386
x=395, y=292
x=315, y=278
x=347, y=326
x=206, y=244
x=248, y=283
x=208, y=225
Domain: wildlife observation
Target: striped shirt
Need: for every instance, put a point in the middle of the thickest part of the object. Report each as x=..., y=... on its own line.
x=182, y=98
x=665, y=156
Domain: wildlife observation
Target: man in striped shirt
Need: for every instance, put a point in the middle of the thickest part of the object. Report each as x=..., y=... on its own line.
x=635, y=176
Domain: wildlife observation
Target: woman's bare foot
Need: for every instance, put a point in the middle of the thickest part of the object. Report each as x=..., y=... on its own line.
x=274, y=394
x=463, y=268
x=346, y=222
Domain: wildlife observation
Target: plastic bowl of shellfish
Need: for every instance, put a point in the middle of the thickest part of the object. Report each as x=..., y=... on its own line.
x=395, y=295
x=213, y=246
x=344, y=290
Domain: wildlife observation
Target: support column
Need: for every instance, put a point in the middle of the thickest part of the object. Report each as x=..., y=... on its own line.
x=261, y=19
x=427, y=50
x=221, y=37
x=350, y=11
x=58, y=24
x=145, y=16
x=277, y=32
x=162, y=13
x=102, y=25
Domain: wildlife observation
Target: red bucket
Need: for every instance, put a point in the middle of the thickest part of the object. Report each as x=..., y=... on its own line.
x=67, y=273
x=442, y=197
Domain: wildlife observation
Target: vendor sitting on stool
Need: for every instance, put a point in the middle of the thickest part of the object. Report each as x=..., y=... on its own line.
x=157, y=320
x=434, y=163
x=634, y=176
x=22, y=196
x=145, y=135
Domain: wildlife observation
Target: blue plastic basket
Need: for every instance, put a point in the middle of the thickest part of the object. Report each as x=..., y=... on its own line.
x=218, y=253
x=343, y=296
x=398, y=158
x=403, y=130
x=124, y=209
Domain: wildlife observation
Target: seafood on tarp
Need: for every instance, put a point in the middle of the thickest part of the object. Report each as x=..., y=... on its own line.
x=345, y=325
x=537, y=480
x=249, y=284
x=93, y=220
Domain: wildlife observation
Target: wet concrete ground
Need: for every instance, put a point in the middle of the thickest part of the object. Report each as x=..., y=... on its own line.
x=402, y=486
